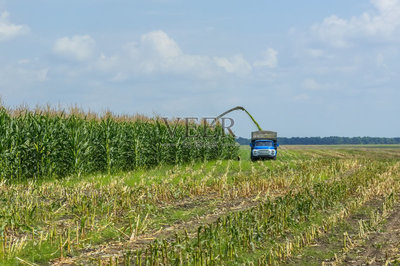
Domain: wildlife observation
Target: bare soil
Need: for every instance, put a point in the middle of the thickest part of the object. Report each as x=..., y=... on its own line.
x=382, y=247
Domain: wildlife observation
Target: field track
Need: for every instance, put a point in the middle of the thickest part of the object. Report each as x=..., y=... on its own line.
x=382, y=246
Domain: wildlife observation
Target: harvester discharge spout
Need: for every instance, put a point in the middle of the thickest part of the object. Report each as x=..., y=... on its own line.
x=242, y=109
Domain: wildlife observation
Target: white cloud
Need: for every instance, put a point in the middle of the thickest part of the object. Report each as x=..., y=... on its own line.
x=9, y=30
x=236, y=64
x=79, y=47
x=160, y=42
x=152, y=54
x=381, y=24
x=270, y=59
x=156, y=52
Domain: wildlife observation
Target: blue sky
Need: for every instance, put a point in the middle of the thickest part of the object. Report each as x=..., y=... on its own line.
x=302, y=68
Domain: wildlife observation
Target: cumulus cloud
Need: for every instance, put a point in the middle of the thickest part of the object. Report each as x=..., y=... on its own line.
x=78, y=47
x=382, y=23
x=270, y=59
x=156, y=52
x=236, y=64
x=9, y=30
x=159, y=52
x=160, y=42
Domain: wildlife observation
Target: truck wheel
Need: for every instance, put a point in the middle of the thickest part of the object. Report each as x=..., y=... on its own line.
x=274, y=158
x=253, y=158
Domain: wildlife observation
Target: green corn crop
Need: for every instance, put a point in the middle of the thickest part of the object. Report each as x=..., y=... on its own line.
x=51, y=143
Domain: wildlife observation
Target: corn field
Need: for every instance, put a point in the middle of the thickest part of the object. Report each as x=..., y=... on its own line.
x=51, y=143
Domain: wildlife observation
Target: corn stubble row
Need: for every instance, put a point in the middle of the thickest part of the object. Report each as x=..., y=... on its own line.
x=276, y=229
x=56, y=220
x=45, y=143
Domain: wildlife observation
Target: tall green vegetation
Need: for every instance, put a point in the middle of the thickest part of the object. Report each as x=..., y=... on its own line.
x=45, y=143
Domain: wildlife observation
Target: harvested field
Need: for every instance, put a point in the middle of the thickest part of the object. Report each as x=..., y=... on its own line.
x=320, y=204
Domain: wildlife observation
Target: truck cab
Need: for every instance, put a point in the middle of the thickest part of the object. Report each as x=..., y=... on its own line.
x=264, y=145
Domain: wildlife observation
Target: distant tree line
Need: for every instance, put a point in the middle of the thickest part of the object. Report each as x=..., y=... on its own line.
x=328, y=140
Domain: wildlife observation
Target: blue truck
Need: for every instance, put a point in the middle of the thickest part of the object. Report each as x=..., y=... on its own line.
x=264, y=145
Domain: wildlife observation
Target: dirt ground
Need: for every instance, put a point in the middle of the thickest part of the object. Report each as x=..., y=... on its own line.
x=382, y=247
